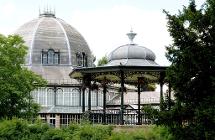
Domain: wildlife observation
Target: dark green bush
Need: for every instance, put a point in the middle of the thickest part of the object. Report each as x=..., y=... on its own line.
x=56, y=134
x=120, y=136
x=17, y=129
x=36, y=130
x=93, y=132
x=13, y=129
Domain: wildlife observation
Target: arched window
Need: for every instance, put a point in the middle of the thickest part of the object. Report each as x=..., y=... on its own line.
x=44, y=58
x=85, y=61
x=81, y=59
x=50, y=57
x=56, y=58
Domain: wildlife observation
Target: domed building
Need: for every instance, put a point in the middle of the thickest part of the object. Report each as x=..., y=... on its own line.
x=134, y=68
x=54, y=49
x=132, y=55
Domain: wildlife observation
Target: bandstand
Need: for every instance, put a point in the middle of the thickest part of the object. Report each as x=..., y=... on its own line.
x=76, y=89
x=128, y=64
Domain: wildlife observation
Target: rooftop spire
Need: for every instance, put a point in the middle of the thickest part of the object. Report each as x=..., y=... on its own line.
x=131, y=36
x=47, y=12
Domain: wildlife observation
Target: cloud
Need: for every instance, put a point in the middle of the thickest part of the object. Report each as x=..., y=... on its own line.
x=105, y=29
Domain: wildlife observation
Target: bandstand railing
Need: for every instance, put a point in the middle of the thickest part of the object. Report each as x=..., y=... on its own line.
x=135, y=101
x=111, y=116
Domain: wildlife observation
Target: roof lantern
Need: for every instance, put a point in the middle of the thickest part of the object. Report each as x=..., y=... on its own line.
x=47, y=12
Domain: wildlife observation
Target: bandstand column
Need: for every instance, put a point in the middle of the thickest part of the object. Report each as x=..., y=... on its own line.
x=169, y=96
x=97, y=98
x=83, y=99
x=80, y=97
x=89, y=98
x=122, y=98
x=161, y=92
x=162, y=74
x=89, y=92
x=104, y=102
x=138, y=90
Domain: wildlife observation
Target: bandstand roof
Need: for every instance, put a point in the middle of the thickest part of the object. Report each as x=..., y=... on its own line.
x=113, y=72
x=132, y=54
x=119, y=68
x=133, y=60
x=122, y=69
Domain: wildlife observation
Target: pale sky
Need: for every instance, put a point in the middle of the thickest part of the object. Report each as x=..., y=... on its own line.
x=103, y=23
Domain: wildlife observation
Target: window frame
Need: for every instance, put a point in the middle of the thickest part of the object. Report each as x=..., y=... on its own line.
x=50, y=57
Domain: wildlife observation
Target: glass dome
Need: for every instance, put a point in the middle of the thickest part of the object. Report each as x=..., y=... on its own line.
x=54, y=47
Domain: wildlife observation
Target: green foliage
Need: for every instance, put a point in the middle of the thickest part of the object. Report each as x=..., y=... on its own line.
x=148, y=87
x=18, y=129
x=102, y=61
x=85, y=117
x=151, y=87
x=152, y=133
x=37, y=130
x=191, y=73
x=56, y=134
x=151, y=112
x=13, y=130
x=16, y=81
x=92, y=132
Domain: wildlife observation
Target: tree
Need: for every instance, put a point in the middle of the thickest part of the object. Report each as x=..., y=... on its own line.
x=16, y=81
x=192, y=72
x=102, y=61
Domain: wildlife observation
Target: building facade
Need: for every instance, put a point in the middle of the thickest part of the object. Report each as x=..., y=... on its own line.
x=54, y=49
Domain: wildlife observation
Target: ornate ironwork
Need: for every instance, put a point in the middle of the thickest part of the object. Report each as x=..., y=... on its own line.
x=137, y=75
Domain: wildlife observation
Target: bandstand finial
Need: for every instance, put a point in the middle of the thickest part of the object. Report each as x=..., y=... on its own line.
x=131, y=36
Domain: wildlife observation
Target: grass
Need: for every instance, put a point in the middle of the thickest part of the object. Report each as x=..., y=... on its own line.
x=140, y=132
x=131, y=128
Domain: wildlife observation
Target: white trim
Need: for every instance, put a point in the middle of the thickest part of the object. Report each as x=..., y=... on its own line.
x=32, y=41
x=67, y=39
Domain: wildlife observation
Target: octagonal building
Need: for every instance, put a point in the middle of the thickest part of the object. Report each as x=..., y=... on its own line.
x=54, y=49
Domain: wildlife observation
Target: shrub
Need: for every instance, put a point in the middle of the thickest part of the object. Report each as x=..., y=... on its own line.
x=151, y=133
x=56, y=134
x=93, y=132
x=13, y=129
x=17, y=129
